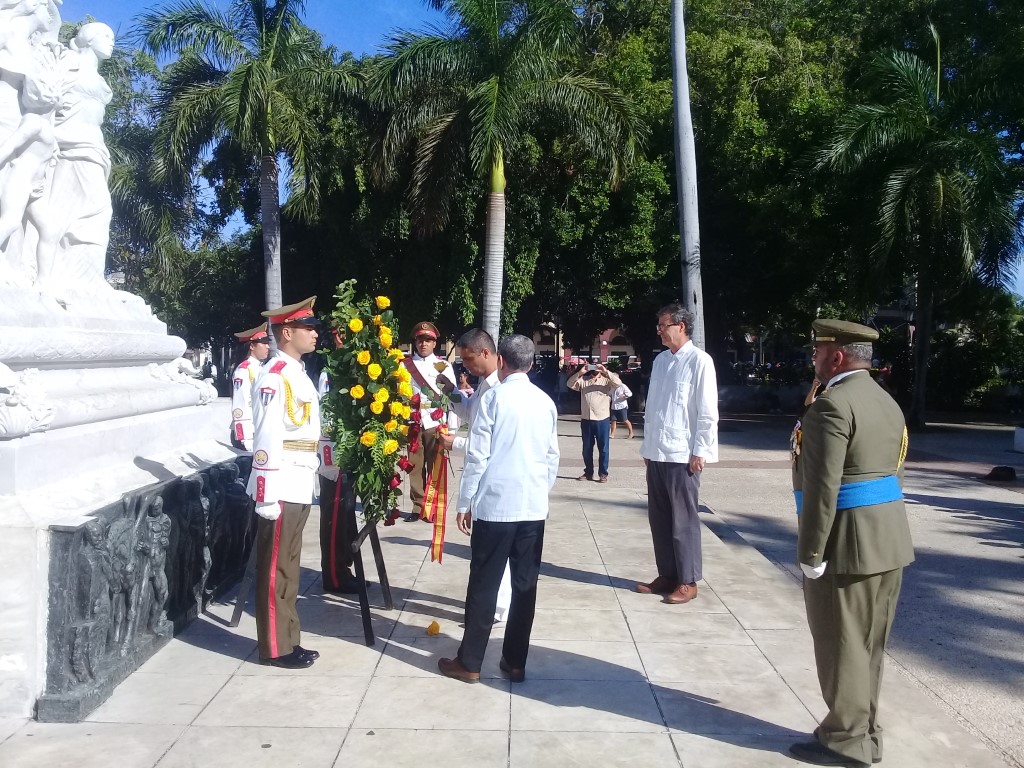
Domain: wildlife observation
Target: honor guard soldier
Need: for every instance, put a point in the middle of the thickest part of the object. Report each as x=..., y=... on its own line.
x=257, y=345
x=286, y=417
x=424, y=367
x=854, y=538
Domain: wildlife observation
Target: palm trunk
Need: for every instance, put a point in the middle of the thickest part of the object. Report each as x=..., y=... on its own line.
x=686, y=177
x=494, y=249
x=270, y=211
x=922, y=345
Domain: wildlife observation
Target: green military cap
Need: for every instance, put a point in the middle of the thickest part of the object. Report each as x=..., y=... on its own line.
x=300, y=313
x=425, y=329
x=842, y=332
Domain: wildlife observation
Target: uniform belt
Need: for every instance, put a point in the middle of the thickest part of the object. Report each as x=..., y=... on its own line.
x=300, y=445
x=863, y=494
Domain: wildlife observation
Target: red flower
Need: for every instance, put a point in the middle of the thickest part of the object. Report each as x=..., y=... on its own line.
x=437, y=414
x=415, y=402
x=416, y=416
x=405, y=465
x=392, y=516
x=414, y=445
x=396, y=480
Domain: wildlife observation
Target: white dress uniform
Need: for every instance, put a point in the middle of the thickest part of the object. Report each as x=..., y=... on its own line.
x=242, y=381
x=286, y=418
x=425, y=365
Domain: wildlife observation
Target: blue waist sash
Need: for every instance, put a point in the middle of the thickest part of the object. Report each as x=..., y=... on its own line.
x=863, y=494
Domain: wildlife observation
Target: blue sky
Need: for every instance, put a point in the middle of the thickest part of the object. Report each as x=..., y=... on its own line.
x=358, y=26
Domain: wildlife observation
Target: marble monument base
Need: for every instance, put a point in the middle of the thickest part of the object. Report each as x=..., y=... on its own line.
x=141, y=520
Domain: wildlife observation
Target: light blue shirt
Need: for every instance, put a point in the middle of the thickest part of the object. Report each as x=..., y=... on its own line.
x=512, y=459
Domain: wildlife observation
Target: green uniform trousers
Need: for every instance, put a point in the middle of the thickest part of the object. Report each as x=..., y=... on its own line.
x=422, y=463
x=850, y=617
x=278, y=550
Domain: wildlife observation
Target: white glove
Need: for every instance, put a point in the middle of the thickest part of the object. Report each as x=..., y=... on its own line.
x=814, y=571
x=270, y=510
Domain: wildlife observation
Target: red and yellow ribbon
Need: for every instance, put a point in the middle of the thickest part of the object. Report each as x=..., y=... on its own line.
x=435, y=498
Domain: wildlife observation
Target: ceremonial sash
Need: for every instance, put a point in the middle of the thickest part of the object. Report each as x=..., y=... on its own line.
x=435, y=498
x=418, y=377
x=862, y=494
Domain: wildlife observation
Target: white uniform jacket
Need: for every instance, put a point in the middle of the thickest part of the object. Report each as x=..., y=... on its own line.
x=325, y=450
x=286, y=416
x=425, y=365
x=241, y=400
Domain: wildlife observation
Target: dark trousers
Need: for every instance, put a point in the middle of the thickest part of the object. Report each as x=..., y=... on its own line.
x=278, y=550
x=494, y=544
x=672, y=491
x=850, y=617
x=595, y=432
x=337, y=502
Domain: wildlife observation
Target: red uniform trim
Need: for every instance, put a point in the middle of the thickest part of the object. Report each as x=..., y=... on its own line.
x=244, y=363
x=239, y=432
x=261, y=488
x=272, y=590
x=278, y=366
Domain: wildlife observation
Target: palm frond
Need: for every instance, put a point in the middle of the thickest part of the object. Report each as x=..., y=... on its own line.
x=190, y=24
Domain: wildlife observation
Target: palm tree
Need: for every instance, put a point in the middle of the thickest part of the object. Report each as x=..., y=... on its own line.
x=949, y=204
x=463, y=97
x=244, y=77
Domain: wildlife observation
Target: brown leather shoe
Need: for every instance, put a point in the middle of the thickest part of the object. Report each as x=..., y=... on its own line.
x=603, y=479
x=684, y=593
x=453, y=668
x=660, y=586
x=584, y=477
x=515, y=674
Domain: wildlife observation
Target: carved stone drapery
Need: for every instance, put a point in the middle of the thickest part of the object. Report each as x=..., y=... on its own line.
x=123, y=583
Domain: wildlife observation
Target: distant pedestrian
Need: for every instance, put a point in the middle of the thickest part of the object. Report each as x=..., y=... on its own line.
x=620, y=408
x=854, y=538
x=511, y=465
x=595, y=384
x=680, y=436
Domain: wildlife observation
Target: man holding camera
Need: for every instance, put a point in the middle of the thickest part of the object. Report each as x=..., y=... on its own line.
x=595, y=383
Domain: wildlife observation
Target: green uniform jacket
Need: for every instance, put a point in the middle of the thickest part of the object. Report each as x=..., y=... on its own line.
x=851, y=433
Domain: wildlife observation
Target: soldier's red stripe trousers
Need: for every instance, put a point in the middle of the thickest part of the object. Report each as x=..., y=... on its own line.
x=278, y=552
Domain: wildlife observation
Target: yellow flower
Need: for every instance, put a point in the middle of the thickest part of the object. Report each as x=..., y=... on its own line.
x=440, y=365
x=383, y=302
x=386, y=341
x=405, y=389
x=357, y=392
x=404, y=429
x=391, y=426
x=397, y=409
x=368, y=438
x=406, y=412
x=404, y=374
x=390, y=446
x=381, y=395
x=363, y=357
x=397, y=354
x=377, y=407
x=377, y=320
x=373, y=371
x=355, y=325
x=385, y=331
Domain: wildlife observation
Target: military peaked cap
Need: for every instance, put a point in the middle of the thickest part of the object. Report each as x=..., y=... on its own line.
x=842, y=332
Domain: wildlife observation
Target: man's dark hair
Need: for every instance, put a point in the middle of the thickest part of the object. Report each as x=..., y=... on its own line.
x=476, y=340
x=517, y=351
x=678, y=314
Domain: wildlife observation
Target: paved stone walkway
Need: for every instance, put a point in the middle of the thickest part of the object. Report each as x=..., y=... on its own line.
x=614, y=678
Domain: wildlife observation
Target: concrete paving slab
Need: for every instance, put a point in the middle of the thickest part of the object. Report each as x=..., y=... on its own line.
x=533, y=749
x=734, y=751
x=152, y=699
x=195, y=653
x=765, y=706
x=581, y=705
x=434, y=703
x=339, y=657
x=87, y=745
x=674, y=662
x=265, y=747
x=584, y=660
x=678, y=624
x=399, y=748
x=310, y=702
x=417, y=657
x=10, y=726
x=558, y=624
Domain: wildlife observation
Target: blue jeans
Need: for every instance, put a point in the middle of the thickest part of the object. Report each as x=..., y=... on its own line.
x=595, y=431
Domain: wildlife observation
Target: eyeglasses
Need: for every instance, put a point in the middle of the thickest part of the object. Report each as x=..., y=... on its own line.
x=662, y=327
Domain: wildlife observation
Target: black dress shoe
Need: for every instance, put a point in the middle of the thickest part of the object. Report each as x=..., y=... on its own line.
x=817, y=753
x=412, y=517
x=514, y=674
x=307, y=652
x=291, y=660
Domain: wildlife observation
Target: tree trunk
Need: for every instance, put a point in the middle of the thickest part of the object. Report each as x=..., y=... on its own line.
x=270, y=212
x=686, y=177
x=922, y=346
x=494, y=249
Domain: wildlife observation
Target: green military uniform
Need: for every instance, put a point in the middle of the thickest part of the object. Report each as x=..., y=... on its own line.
x=852, y=433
